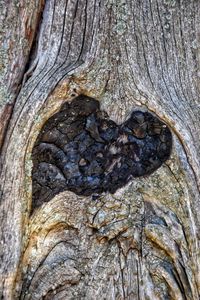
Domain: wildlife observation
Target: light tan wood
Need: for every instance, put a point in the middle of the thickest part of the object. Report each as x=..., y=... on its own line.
x=143, y=241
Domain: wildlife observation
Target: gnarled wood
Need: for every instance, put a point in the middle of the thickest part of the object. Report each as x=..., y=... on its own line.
x=143, y=241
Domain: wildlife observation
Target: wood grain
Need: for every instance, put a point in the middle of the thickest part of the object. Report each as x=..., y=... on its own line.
x=143, y=242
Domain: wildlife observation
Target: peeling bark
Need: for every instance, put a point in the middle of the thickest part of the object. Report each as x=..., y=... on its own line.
x=143, y=241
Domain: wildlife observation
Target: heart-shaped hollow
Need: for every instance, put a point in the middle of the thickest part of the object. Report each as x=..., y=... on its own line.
x=80, y=149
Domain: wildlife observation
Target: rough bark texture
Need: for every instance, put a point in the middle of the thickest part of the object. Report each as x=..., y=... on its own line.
x=143, y=241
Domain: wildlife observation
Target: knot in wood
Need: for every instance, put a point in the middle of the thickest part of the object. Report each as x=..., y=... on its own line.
x=80, y=149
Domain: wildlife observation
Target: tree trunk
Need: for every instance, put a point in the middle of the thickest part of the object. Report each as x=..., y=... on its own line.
x=141, y=242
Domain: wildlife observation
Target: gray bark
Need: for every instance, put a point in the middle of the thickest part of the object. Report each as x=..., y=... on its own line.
x=143, y=241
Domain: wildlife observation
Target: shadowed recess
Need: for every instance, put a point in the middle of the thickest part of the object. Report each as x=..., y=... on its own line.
x=80, y=149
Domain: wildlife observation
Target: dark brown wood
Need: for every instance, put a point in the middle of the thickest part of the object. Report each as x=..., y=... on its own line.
x=79, y=149
x=143, y=241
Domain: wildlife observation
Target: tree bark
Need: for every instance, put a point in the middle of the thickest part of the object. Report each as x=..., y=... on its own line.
x=143, y=241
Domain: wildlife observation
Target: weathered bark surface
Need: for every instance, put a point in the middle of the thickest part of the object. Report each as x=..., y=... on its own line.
x=143, y=241
x=19, y=22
